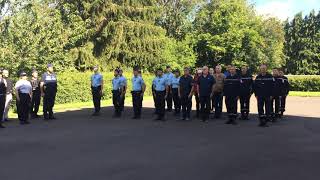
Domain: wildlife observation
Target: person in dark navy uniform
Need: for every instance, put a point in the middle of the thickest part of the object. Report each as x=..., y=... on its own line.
x=263, y=87
x=276, y=95
x=175, y=92
x=245, y=92
x=138, y=89
x=231, y=93
x=205, y=90
x=161, y=88
x=36, y=94
x=186, y=88
x=284, y=92
x=48, y=87
x=3, y=93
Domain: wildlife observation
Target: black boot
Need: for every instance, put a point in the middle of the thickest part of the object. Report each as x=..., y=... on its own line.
x=263, y=122
x=2, y=126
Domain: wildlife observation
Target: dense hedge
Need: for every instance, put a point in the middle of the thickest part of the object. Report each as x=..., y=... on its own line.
x=304, y=83
x=75, y=86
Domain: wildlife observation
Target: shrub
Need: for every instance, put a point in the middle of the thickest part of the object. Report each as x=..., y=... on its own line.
x=304, y=83
x=75, y=86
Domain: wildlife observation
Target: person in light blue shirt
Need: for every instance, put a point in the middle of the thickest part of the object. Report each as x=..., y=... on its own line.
x=23, y=94
x=97, y=90
x=117, y=92
x=169, y=76
x=124, y=89
x=138, y=88
x=175, y=83
x=160, y=86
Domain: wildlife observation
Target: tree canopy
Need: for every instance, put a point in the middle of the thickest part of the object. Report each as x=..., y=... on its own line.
x=77, y=34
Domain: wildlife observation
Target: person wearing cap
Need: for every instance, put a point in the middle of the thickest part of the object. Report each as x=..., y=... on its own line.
x=175, y=92
x=3, y=93
x=231, y=93
x=205, y=92
x=9, y=93
x=168, y=75
x=185, y=93
x=124, y=89
x=36, y=94
x=138, y=88
x=48, y=87
x=23, y=94
x=161, y=88
x=96, y=90
x=117, y=93
x=245, y=92
x=218, y=91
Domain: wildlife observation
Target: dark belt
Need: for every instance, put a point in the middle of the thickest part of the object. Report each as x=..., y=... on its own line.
x=136, y=92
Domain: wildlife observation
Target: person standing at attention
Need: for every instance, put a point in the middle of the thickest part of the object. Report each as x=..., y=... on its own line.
x=96, y=90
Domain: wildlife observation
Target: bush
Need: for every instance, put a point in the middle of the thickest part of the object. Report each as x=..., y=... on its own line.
x=304, y=83
x=75, y=86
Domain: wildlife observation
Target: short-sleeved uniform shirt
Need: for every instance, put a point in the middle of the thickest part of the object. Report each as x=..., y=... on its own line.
x=123, y=81
x=116, y=83
x=186, y=84
x=205, y=85
x=23, y=86
x=168, y=77
x=50, y=81
x=160, y=83
x=137, y=83
x=96, y=80
x=175, y=82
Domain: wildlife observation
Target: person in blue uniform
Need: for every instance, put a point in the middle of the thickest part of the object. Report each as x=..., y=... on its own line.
x=186, y=88
x=36, y=94
x=161, y=88
x=263, y=87
x=138, y=89
x=175, y=92
x=168, y=75
x=117, y=92
x=3, y=93
x=276, y=95
x=205, y=92
x=231, y=85
x=23, y=95
x=96, y=90
x=48, y=87
x=285, y=88
x=245, y=92
x=124, y=89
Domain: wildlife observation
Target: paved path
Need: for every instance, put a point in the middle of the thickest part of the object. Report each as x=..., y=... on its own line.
x=80, y=147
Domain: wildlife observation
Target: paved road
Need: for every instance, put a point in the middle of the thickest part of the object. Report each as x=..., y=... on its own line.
x=80, y=147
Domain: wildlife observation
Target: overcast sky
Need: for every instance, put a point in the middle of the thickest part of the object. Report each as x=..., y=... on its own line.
x=284, y=9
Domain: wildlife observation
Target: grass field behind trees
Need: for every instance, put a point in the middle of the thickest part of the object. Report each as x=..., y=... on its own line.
x=75, y=35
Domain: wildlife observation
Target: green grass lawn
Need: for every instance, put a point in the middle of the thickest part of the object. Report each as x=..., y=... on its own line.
x=304, y=94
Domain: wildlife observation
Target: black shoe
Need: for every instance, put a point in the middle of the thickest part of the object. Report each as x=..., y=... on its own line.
x=5, y=120
x=234, y=122
x=24, y=122
x=263, y=124
x=96, y=114
x=52, y=118
x=2, y=126
x=136, y=117
x=229, y=122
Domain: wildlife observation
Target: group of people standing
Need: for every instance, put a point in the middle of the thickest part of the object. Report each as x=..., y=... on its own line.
x=28, y=95
x=175, y=91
